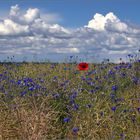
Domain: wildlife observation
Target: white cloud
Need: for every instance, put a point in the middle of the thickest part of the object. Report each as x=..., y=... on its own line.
x=31, y=32
x=99, y=21
x=110, y=22
x=51, y=18
x=31, y=15
x=9, y=27
x=66, y=50
x=15, y=11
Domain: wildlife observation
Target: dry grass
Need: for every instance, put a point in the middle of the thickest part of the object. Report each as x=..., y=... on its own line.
x=41, y=117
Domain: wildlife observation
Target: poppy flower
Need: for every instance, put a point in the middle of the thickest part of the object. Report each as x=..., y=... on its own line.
x=83, y=66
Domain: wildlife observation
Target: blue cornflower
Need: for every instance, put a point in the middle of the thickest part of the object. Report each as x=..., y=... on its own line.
x=112, y=95
x=124, y=110
x=133, y=118
x=5, y=72
x=36, y=94
x=116, y=67
x=2, y=88
x=138, y=109
x=122, y=74
x=55, y=77
x=130, y=110
x=88, y=105
x=19, y=82
x=94, y=71
x=119, y=67
x=83, y=78
x=75, y=129
x=68, y=107
x=81, y=89
x=101, y=113
x=12, y=81
x=129, y=66
x=113, y=108
x=105, y=67
x=41, y=80
x=28, y=84
x=88, y=83
x=121, y=134
x=110, y=72
x=25, y=80
x=114, y=87
x=74, y=95
x=130, y=55
x=139, y=60
x=37, y=86
x=31, y=88
x=76, y=107
x=65, y=68
x=119, y=99
x=105, y=77
x=135, y=80
x=96, y=78
x=23, y=93
x=62, y=84
x=56, y=95
x=91, y=83
x=43, y=89
x=92, y=91
x=102, y=67
x=67, y=81
x=72, y=101
x=66, y=120
x=89, y=79
x=17, y=64
x=97, y=88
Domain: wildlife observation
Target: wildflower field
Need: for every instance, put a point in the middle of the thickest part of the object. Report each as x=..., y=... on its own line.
x=47, y=101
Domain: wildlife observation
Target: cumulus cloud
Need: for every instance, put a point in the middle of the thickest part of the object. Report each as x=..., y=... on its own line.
x=99, y=21
x=31, y=15
x=9, y=27
x=29, y=32
x=110, y=22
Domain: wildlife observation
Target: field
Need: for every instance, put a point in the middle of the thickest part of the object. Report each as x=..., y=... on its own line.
x=47, y=101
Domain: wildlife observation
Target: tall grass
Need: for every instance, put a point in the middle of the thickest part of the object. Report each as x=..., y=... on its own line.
x=102, y=103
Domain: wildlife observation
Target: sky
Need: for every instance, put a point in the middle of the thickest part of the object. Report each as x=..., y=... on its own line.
x=90, y=30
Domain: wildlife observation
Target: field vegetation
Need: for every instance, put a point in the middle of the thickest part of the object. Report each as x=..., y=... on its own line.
x=48, y=101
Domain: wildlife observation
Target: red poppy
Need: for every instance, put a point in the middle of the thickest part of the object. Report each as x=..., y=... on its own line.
x=83, y=66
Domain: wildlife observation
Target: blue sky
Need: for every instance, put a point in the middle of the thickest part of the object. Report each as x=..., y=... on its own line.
x=76, y=13
x=71, y=16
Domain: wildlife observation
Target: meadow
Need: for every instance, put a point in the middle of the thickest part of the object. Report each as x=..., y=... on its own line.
x=48, y=101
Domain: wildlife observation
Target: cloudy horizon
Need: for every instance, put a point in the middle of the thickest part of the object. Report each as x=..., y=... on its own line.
x=33, y=34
